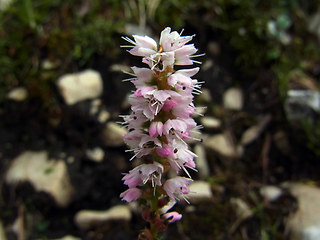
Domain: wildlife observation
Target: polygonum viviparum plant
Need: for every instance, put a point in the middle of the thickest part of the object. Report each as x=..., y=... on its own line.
x=160, y=126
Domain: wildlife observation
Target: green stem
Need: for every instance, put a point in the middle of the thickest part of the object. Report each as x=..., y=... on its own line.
x=154, y=208
x=30, y=14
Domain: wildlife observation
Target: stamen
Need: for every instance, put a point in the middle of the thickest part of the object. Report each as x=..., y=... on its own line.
x=129, y=79
x=198, y=55
x=196, y=61
x=128, y=40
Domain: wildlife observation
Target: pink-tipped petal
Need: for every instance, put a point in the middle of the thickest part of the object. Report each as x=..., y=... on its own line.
x=131, y=194
x=172, y=216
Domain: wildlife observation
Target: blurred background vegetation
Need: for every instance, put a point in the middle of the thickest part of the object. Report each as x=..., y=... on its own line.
x=40, y=40
x=261, y=43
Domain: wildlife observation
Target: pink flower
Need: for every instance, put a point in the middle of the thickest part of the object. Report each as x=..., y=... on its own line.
x=156, y=129
x=182, y=82
x=175, y=127
x=183, y=110
x=164, y=151
x=169, y=104
x=134, y=120
x=183, y=54
x=143, y=173
x=149, y=101
x=175, y=187
x=161, y=120
x=133, y=138
x=144, y=76
x=144, y=91
x=172, y=41
x=172, y=216
x=131, y=194
x=142, y=46
x=182, y=157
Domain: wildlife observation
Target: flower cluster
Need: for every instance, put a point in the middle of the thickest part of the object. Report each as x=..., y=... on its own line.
x=160, y=122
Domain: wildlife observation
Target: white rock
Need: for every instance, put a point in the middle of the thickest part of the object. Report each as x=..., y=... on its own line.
x=304, y=224
x=18, y=94
x=300, y=103
x=210, y=122
x=48, y=176
x=103, y=116
x=205, y=95
x=222, y=144
x=207, y=65
x=199, y=190
x=241, y=207
x=95, y=105
x=254, y=132
x=113, y=134
x=201, y=161
x=50, y=65
x=233, y=99
x=120, y=68
x=270, y=193
x=68, y=237
x=2, y=232
x=80, y=86
x=96, y=154
x=85, y=219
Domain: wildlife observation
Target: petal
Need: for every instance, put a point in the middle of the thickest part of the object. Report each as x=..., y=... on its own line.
x=145, y=41
x=172, y=216
x=164, y=151
x=131, y=194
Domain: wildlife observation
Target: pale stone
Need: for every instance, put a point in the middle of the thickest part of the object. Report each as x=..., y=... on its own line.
x=68, y=237
x=201, y=161
x=222, y=144
x=270, y=193
x=2, y=232
x=96, y=154
x=120, y=68
x=80, y=86
x=50, y=65
x=48, y=176
x=18, y=94
x=300, y=104
x=205, y=95
x=95, y=105
x=233, y=99
x=210, y=122
x=85, y=219
x=199, y=190
x=207, y=65
x=241, y=207
x=71, y=159
x=103, y=116
x=113, y=135
x=304, y=224
x=254, y=132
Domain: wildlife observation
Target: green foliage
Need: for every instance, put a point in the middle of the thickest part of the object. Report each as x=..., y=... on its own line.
x=95, y=37
x=61, y=32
